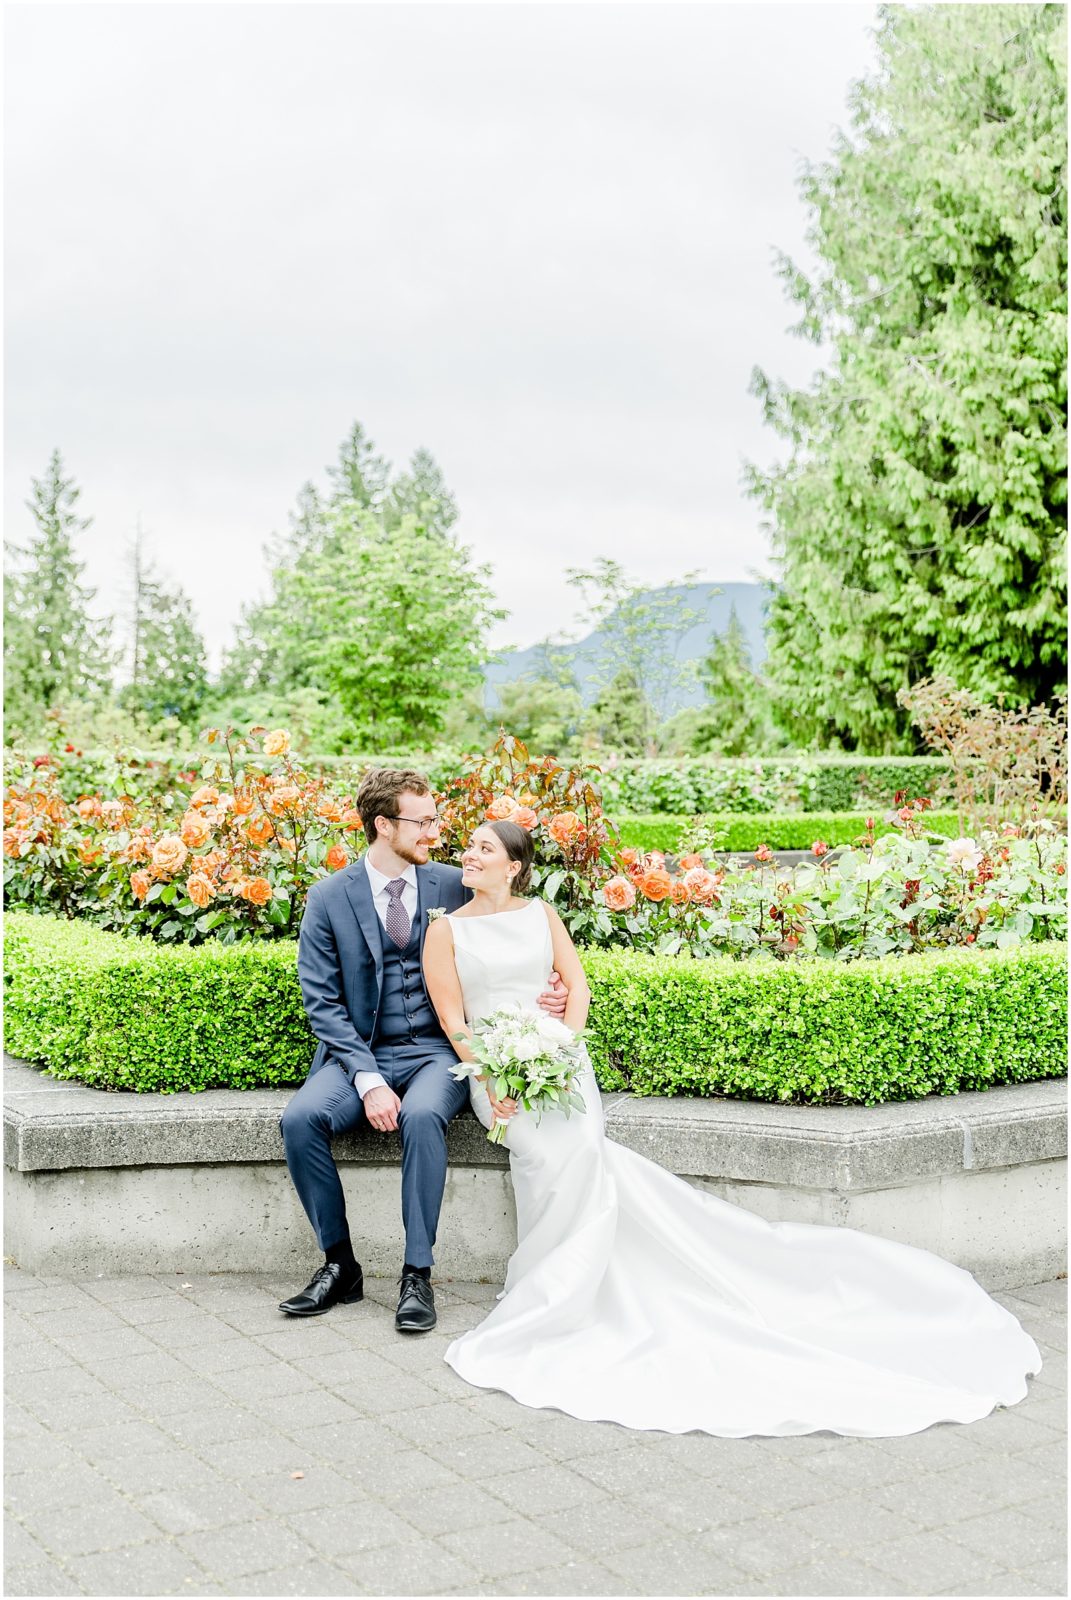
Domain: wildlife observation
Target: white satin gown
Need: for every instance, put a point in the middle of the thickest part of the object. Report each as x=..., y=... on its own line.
x=634, y=1298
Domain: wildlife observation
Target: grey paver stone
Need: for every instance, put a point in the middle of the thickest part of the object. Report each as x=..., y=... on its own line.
x=676, y=1566
x=101, y=1445
x=104, y=1524
x=476, y=1455
x=39, y=1454
x=190, y=1509
x=441, y=1421
x=407, y=1473
x=1048, y=1577
x=1014, y=1540
x=510, y=1545
x=219, y=1424
x=253, y=1386
x=234, y=1552
x=83, y=1413
x=847, y=1522
x=281, y=1495
x=56, y=1486
x=163, y=1470
x=149, y=1367
x=143, y=1569
x=366, y=1526
x=574, y=1578
x=763, y=1547
x=839, y=1575
x=308, y=1578
x=38, y=1578
x=243, y=1460
x=594, y=1525
x=929, y=1561
x=537, y=1489
x=20, y=1546
x=418, y=1567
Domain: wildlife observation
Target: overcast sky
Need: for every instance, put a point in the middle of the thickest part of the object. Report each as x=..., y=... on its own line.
x=536, y=239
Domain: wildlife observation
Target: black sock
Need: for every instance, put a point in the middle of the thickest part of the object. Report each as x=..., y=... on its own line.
x=419, y=1272
x=342, y=1252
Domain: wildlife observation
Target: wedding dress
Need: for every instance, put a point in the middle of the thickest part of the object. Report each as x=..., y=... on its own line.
x=634, y=1298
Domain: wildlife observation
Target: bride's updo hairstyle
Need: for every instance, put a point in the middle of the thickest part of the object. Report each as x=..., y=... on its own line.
x=519, y=847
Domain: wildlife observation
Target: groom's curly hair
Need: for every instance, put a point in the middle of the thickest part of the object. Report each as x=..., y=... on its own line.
x=519, y=847
x=379, y=791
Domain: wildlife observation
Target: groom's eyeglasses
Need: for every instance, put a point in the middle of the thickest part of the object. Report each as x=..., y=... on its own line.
x=429, y=824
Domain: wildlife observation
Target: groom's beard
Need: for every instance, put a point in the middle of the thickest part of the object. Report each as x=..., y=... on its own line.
x=416, y=854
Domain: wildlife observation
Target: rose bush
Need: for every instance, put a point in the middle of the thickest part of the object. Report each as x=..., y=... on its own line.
x=230, y=851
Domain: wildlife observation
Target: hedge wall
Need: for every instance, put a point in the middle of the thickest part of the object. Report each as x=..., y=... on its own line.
x=746, y=830
x=127, y=1014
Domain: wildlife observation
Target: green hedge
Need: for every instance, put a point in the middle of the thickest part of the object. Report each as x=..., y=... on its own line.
x=781, y=831
x=127, y=1014
x=764, y=784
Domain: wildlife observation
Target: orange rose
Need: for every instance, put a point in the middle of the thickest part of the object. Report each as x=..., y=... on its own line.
x=277, y=743
x=200, y=889
x=701, y=884
x=687, y=862
x=286, y=844
x=329, y=810
x=88, y=807
x=524, y=817
x=655, y=883
x=139, y=849
x=256, y=890
x=88, y=852
x=259, y=830
x=282, y=799
x=243, y=802
x=619, y=894
x=205, y=796
x=12, y=842
x=336, y=857
x=140, y=884
x=169, y=853
x=502, y=808
x=679, y=893
x=194, y=830
x=562, y=827
x=655, y=859
x=629, y=859
x=351, y=818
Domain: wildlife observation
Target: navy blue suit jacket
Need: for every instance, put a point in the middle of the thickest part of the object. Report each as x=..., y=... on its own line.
x=340, y=959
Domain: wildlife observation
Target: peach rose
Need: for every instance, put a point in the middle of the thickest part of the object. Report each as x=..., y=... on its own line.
x=286, y=844
x=12, y=842
x=655, y=883
x=259, y=830
x=619, y=894
x=112, y=812
x=656, y=860
x=336, y=857
x=277, y=743
x=169, y=853
x=139, y=849
x=687, y=862
x=679, y=893
x=282, y=799
x=200, y=889
x=194, y=830
x=701, y=884
x=351, y=818
x=243, y=802
x=629, y=859
x=329, y=810
x=764, y=853
x=205, y=796
x=140, y=884
x=88, y=852
x=501, y=808
x=256, y=890
x=88, y=807
x=524, y=817
x=562, y=827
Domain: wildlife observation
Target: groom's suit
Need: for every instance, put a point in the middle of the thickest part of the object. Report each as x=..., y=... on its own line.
x=367, y=1005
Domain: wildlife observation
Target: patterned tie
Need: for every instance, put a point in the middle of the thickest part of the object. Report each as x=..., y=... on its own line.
x=397, y=921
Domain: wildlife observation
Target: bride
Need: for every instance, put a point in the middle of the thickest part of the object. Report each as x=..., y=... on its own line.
x=636, y=1299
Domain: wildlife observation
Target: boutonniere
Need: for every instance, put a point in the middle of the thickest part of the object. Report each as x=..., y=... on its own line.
x=436, y=911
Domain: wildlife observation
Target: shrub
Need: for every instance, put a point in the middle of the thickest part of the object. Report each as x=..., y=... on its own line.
x=744, y=831
x=123, y=1013
x=822, y=1034
x=776, y=784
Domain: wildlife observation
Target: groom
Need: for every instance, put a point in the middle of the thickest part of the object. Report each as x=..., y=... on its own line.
x=381, y=1053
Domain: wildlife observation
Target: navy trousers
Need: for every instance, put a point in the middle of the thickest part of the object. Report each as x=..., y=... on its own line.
x=327, y=1104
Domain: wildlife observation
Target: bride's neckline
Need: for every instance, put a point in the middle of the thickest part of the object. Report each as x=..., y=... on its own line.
x=513, y=911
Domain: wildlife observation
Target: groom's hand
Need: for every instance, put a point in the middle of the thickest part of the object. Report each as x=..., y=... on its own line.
x=381, y=1107
x=555, y=996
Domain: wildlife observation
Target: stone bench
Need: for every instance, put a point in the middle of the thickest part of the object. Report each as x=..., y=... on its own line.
x=120, y=1182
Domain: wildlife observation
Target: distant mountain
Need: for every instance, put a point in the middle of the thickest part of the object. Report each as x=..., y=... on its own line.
x=714, y=601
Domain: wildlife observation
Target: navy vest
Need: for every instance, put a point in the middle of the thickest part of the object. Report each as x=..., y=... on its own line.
x=405, y=1012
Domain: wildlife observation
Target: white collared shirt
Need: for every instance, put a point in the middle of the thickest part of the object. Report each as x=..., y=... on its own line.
x=377, y=882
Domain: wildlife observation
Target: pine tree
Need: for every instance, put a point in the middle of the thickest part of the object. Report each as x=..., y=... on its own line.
x=168, y=673
x=55, y=651
x=422, y=494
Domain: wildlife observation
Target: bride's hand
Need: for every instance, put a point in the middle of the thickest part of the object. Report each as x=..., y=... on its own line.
x=503, y=1109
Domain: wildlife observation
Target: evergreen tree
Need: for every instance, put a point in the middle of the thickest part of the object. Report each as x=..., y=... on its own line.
x=55, y=651
x=359, y=477
x=168, y=673
x=421, y=493
x=918, y=523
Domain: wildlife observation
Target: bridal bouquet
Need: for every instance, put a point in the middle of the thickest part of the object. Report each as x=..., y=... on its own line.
x=529, y=1057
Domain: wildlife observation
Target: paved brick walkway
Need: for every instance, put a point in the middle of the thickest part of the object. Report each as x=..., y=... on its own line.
x=155, y=1427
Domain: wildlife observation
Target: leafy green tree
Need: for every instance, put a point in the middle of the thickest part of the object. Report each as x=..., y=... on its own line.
x=168, y=672
x=641, y=633
x=918, y=522
x=55, y=650
x=546, y=714
x=736, y=717
x=360, y=475
x=622, y=718
x=392, y=623
x=421, y=493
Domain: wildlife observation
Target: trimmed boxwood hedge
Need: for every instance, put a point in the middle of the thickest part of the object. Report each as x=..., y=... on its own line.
x=746, y=830
x=123, y=1013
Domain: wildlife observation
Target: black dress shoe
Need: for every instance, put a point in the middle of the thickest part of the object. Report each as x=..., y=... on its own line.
x=327, y=1289
x=416, y=1305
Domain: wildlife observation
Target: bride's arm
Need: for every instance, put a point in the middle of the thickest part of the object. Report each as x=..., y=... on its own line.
x=444, y=992
x=567, y=963
x=444, y=987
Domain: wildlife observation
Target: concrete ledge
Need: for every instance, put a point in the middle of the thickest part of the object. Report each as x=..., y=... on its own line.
x=138, y=1179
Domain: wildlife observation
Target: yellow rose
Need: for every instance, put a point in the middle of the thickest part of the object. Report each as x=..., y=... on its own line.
x=277, y=743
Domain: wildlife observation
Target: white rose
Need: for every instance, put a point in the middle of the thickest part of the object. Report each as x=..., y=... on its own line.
x=554, y=1033
x=963, y=853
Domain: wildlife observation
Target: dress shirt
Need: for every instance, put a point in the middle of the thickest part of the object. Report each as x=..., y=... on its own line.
x=377, y=882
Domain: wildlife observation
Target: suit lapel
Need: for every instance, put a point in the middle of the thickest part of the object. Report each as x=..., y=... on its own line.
x=360, y=894
x=427, y=896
